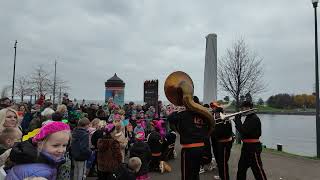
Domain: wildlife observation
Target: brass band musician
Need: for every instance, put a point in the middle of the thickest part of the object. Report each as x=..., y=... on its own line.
x=221, y=140
x=250, y=132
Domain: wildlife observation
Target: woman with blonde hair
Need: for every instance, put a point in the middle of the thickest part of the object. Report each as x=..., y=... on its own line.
x=8, y=118
x=62, y=109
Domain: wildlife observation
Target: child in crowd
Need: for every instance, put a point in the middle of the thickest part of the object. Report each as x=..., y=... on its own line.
x=169, y=152
x=133, y=120
x=41, y=156
x=142, y=150
x=155, y=142
x=130, y=135
x=94, y=126
x=80, y=149
x=138, y=128
x=127, y=171
x=8, y=137
x=119, y=135
x=98, y=134
x=109, y=156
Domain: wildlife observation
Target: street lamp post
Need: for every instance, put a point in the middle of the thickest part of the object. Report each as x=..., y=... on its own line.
x=315, y=5
x=14, y=69
x=54, y=82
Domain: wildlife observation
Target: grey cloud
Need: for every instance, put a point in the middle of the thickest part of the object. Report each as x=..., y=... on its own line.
x=142, y=40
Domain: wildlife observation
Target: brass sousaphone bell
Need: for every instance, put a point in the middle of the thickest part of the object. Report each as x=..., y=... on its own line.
x=179, y=89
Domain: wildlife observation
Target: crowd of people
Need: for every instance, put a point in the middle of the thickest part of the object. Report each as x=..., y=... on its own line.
x=72, y=141
x=75, y=141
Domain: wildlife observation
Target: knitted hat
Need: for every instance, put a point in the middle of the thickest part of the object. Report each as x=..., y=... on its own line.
x=140, y=136
x=159, y=126
x=50, y=128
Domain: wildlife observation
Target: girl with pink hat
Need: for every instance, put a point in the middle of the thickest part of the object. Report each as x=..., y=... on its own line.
x=41, y=156
x=142, y=150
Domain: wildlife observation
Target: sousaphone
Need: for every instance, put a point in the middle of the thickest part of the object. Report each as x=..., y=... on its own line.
x=179, y=89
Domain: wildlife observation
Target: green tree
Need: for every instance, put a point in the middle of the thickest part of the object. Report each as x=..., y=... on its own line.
x=283, y=101
x=260, y=102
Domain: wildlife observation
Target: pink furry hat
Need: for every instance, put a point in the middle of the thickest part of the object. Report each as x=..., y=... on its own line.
x=109, y=128
x=50, y=128
x=159, y=126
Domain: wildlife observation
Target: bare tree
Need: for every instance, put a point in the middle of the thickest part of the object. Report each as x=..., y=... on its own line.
x=41, y=81
x=61, y=85
x=5, y=91
x=23, y=87
x=240, y=72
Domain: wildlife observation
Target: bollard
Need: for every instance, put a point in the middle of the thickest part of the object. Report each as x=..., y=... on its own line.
x=279, y=147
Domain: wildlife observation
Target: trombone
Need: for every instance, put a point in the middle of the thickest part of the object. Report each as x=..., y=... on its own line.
x=226, y=117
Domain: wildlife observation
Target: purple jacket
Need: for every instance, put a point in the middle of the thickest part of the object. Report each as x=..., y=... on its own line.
x=30, y=163
x=32, y=170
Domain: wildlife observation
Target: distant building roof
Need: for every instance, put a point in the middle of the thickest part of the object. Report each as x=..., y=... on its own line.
x=114, y=81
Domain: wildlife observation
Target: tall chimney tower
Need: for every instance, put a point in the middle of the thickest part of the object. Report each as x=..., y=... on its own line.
x=210, y=70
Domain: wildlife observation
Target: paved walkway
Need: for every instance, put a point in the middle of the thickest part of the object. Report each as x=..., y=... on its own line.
x=277, y=167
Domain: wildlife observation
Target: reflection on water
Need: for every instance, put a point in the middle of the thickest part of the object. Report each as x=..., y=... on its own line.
x=296, y=133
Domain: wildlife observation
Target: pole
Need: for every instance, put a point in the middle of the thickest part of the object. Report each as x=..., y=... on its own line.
x=54, y=81
x=317, y=79
x=14, y=69
x=60, y=96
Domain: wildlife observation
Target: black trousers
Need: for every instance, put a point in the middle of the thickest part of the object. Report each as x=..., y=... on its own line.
x=222, y=156
x=207, y=155
x=214, y=144
x=104, y=175
x=190, y=163
x=155, y=163
x=250, y=158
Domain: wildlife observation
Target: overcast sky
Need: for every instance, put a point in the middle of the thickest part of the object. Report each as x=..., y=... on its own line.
x=148, y=39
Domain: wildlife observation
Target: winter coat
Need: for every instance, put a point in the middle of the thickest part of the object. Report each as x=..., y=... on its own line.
x=30, y=163
x=80, y=149
x=120, y=137
x=141, y=150
x=95, y=137
x=109, y=156
x=155, y=142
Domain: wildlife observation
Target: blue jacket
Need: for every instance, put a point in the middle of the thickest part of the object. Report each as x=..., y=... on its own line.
x=30, y=163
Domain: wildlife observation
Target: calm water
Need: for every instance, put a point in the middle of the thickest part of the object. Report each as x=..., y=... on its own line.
x=296, y=133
